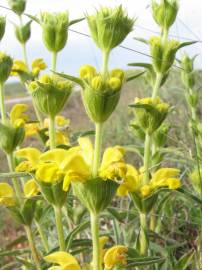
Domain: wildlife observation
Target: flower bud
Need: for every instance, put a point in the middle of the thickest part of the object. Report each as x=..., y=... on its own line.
x=2, y=26
x=187, y=74
x=100, y=96
x=165, y=12
x=10, y=137
x=50, y=94
x=150, y=113
x=163, y=55
x=6, y=64
x=109, y=27
x=23, y=32
x=18, y=6
x=54, y=30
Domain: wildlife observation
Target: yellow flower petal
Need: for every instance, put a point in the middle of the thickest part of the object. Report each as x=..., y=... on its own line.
x=87, y=149
x=48, y=173
x=18, y=65
x=173, y=183
x=17, y=113
x=165, y=173
x=31, y=129
x=6, y=195
x=115, y=255
x=57, y=155
x=145, y=190
x=111, y=155
x=31, y=154
x=31, y=188
x=61, y=258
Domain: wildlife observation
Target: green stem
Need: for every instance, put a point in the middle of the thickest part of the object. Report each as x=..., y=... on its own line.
x=147, y=152
x=54, y=61
x=43, y=236
x=2, y=103
x=157, y=85
x=16, y=184
x=95, y=239
x=33, y=247
x=25, y=54
x=105, y=64
x=97, y=148
x=165, y=36
x=143, y=238
x=52, y=132
x=153, y=220
x=60, y=231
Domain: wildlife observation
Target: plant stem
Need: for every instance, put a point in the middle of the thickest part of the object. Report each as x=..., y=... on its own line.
x=43, y=236
x=105, y=60
x=147, y=151
x=95, y=241
x=54, y=61
x=153, y=220
x=60, y=231
x=52, y=132
x=2, y=103
x=33, y=247
x=97, y=148
x=143, y=238
x=25, y=54
x=16, y=184
x=157, y=85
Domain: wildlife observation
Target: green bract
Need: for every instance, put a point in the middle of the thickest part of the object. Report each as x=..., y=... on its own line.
x=18, y=6
x=150, y=113
x=50, y=94
x=53, y=192
x=165, y=12
x=23, y=33
x=2, y=26
x=54, y=30
x=95, y=194
x=10, y=137
x=109, y=27
x=6, y=64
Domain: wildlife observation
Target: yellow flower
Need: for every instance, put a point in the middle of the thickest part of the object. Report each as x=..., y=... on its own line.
x=18, y=66
x=160, y=177
x=6, y=195
x=103, y=240
x=173, y=183
x=76, y=162
x=114, y=83
x=131, y=181
x=38, y=65
x=115, y=255
x=61, y=138
x=65, y=261
x=17, y=116
x=48, y=173
x=30, y=188
x=31, y=129
x=87, y=72
x=31, y=156
x=145, y=190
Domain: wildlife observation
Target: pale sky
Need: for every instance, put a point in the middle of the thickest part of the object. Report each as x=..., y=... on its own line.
x=80, y=50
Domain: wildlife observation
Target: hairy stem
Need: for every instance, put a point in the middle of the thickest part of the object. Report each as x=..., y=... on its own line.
x=2, y=103
x=95, y=239
x=33, y=247
x=52, y=137
x=59, y=225
x=97, y=148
